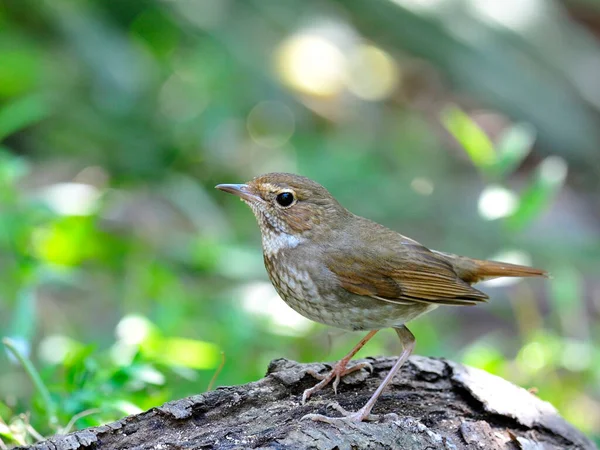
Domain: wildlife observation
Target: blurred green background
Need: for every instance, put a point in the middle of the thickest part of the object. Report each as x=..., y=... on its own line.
x=472, y=126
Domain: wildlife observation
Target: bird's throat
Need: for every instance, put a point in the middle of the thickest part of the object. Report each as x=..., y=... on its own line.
x=277, y=241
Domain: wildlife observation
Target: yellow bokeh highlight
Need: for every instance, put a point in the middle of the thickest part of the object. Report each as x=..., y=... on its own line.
x=183, y=352
x=66, y=242
x=373, y=74
x=311, y=65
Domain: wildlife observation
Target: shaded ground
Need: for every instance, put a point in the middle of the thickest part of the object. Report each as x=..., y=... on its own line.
x=433, y=404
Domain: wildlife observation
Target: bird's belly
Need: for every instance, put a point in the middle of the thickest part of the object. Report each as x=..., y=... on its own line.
x=340, y=309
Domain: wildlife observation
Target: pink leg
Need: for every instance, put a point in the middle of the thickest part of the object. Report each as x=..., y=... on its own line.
x=339, y=370
x=408, y=343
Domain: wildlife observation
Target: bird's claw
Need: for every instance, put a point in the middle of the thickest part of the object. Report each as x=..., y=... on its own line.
x=347, y=417
x=317, y=387
x=336, y=373
x=313, y=373
x=363, y=365
x=335, y=384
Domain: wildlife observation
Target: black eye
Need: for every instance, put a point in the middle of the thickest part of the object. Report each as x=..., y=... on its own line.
x=285, y=199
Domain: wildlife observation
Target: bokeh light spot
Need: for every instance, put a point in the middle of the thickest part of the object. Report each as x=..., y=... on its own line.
x=53, y=349
x=270, y=124
x=372, y=73
x=496, y=202
x=553, y=170
x=533, y=357
x=188, y=353
x=576, y=355
x=126, y=407
x=181, y=97
x=518, y=15
x=71, y=199
x=133, y=329
x=422, y=186
x=311, y=65
x=260, y=299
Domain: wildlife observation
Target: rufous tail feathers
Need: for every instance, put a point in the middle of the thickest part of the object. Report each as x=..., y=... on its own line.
x=475, y=270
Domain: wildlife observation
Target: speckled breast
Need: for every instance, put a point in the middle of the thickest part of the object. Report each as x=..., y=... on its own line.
x=297, y=289
x=337, y=309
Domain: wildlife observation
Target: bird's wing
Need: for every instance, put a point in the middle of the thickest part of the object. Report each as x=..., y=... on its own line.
x=410, y=273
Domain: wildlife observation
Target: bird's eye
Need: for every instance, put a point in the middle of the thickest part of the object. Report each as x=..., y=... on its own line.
x=285, y=199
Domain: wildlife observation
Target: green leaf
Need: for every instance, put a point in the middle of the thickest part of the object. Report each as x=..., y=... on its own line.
x=470, y=136
x=79, y=367
x=5, y=431
x=549, y=178
x=5, y=411
x=183, y=352
x=513, y=147
x=22, y=113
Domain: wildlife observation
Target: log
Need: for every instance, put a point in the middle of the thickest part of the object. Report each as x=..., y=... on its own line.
x=432, y=404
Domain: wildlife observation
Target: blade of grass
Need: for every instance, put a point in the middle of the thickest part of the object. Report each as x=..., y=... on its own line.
x=76, y=417
x=36, y=380
x=470, y=136
x=217, y=372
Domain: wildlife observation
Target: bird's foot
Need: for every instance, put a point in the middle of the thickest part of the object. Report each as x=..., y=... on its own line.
x=338, y=371
x=347, y=416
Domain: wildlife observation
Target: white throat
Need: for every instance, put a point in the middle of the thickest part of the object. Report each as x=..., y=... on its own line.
x=273, y=242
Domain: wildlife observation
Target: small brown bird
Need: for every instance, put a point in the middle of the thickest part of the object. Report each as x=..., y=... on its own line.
x=346, y=271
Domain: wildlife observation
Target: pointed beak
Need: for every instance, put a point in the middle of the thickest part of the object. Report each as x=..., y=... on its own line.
x=241, y=190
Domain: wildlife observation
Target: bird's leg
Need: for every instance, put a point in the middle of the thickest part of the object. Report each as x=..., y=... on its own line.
x=408, y=343
x=339, y=369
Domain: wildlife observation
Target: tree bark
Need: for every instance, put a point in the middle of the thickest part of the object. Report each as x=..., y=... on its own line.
x=432, y=404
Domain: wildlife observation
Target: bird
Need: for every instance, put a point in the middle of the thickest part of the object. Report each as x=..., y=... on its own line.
x=348, y=272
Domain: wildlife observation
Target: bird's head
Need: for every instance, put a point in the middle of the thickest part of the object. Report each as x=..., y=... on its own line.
x=288, y=203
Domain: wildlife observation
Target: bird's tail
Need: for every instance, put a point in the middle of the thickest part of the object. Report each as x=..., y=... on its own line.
x=475, y=270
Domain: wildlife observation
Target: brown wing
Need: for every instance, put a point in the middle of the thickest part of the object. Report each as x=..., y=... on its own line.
x=411, y=274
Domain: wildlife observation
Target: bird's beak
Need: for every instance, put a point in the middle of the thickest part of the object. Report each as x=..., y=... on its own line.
x=243, y=191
